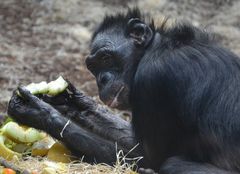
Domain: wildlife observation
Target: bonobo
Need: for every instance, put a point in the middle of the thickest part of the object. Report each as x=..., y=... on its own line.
x=182, y=87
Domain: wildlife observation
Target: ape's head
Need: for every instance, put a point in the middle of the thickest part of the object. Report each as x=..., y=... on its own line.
x=116, y=48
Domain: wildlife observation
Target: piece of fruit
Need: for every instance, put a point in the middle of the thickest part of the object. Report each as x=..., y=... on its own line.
x=52, y=88
x=6, y=120
x=20, y=134
x=21, y=148
x=59, y=153
x=49, y=170
x=41, y=148
x=58, y=166
x=38, y=88
x=8, y=171
x=5, y=152
x=57, y=86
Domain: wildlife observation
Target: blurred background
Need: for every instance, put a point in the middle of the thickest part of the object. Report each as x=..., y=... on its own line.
x=42, y=39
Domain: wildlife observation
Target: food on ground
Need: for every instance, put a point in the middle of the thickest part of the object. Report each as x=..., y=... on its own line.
x=50, y=167
x=59, y=153
x=16, y=140
x=7, y=171
x=21, y=134
x=21, y=148
x=41, y=148
x=5, y=151
x=49, y=170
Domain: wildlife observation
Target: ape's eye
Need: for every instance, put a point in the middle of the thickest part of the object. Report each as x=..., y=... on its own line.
x=106, y=60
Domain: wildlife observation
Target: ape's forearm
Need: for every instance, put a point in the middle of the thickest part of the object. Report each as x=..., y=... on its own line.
x=90, y=115
x=83, y=142
x=107, y=125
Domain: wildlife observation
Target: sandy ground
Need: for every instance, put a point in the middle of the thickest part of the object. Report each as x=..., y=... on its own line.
x=41, y=39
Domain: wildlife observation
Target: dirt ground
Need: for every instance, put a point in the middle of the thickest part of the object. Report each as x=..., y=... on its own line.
x=41, y=39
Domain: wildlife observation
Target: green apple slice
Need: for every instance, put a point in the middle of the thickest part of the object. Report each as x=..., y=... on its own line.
x=19, y=134
x=57, y=86
x=38, y=88
x=52, y=88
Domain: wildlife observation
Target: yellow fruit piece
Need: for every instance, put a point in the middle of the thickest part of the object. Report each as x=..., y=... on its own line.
x=59, y=166
x=39, y=152
x=5, y=152
x=59, y=153
x=41, y=148
x=20, y=134
x=132, y=172
x=49, y=170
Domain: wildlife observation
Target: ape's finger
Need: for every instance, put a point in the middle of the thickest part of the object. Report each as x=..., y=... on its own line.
x=15, y=97
x=14, y=92
x=72, y=88
x=16, y=106
x=34, y=101
x=83, y=102
x=63, y=109
x=59, y=99
x=15, y=100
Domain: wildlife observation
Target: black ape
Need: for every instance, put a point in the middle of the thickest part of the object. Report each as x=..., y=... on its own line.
x=183, y=90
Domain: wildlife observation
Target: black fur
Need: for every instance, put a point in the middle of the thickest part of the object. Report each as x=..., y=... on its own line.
x=185, y=98
x=189, y=92
x=120, y=20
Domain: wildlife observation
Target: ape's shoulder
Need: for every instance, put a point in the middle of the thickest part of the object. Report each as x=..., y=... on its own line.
x=180, y=33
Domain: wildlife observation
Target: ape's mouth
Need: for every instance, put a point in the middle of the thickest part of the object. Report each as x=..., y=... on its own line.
x=114, y=102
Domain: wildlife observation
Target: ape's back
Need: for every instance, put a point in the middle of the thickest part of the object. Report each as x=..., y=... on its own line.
x=186, y=99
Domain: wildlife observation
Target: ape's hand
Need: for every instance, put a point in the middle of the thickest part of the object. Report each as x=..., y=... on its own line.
x=70, y=100
x=30, y=110
x=82, y=101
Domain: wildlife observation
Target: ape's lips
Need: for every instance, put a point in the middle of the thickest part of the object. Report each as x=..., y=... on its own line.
x=114, y=102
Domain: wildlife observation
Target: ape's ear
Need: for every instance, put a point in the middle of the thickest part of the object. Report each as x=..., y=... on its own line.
x=140, y=32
